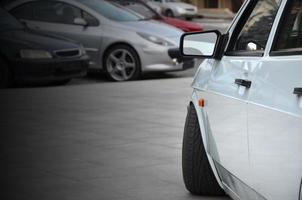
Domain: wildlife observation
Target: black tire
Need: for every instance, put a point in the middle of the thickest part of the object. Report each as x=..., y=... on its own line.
x=5, y=75
x=189, y=18
x=169, y=13
x=136, y=61
x=198, y=176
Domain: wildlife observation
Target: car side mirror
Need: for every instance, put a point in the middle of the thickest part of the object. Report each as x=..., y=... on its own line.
x=208, y=44
x=80, y=21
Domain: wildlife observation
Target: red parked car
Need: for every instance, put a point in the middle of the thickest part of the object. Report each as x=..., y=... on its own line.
x=145, y=10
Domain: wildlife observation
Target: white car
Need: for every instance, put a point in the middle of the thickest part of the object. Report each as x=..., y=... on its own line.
x=243, y=131
x=175, y=8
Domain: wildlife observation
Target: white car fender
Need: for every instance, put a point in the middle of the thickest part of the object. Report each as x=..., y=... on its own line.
x=202, y=120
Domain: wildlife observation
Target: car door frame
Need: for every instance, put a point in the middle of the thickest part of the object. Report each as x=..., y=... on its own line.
x=282, y=114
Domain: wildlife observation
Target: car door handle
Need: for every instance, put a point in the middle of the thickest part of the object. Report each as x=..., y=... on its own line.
x=298, y=91
x=242, y=82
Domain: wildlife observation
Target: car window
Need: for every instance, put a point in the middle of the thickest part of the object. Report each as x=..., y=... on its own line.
x=138, y=7
x=55, y=12
x=24, y=11
x=252, y=32
x=111, y=10
x=289, y=37
x=92, y=21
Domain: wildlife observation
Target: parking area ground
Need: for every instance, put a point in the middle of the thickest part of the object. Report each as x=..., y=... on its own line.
x=95, y=141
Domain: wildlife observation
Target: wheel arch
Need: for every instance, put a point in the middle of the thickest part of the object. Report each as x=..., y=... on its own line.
x=203, y=124
x=169, y=9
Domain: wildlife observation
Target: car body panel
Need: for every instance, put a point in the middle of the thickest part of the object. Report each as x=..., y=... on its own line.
x=275, y=116
x=182, y=24
x=91, y=35
x=227, y=113
x=256, y=156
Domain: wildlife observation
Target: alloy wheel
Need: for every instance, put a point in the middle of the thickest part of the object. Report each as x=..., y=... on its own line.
x=121, y=65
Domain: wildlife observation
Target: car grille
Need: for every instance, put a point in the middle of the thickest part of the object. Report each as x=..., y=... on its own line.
x=190, y=9
x=68, y=53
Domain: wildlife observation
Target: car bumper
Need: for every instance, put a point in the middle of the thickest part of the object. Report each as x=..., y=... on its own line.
x=49, y=70
x=186, y=13
x=164, y=60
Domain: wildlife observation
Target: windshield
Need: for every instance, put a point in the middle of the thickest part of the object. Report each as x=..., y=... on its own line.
x=138, y=7
x=111, y=11
x=7, y=22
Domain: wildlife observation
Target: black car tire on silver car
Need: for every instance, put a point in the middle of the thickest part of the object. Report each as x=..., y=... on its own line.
x=5, y=75
x=169, y=13
x=198, y=176
x=122, y=63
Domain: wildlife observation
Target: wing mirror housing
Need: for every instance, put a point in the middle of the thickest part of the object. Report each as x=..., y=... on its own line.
x=207, y=44
x=80, y=21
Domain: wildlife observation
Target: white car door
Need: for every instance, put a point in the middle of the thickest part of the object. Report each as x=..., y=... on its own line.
x=227, y=92
x=275, y=111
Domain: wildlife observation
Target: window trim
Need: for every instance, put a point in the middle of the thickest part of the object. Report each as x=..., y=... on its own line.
x=238, y=27
x=288, y=51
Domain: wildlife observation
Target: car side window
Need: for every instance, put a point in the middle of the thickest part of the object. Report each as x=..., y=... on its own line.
x=92, y=21
x=288, y=40
x=252, y=32
x=54, y=12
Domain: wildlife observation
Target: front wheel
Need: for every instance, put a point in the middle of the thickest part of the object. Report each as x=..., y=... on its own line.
x=198, y=176
x=122, y=63
x=169, y=13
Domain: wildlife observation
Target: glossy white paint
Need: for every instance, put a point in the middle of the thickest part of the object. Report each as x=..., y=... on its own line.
x=275, y=124
x=256, y=133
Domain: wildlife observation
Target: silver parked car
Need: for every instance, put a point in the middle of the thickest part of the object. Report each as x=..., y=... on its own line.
x=175, y=8
x=121, y=43
x=243, y=131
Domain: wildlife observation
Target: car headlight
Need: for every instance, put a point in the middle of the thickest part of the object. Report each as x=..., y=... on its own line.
x=180, y=10
x=35, y=54
x=155, y=39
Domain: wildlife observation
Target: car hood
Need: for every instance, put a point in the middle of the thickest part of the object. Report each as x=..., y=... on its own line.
x=182, y=24
x=180, y=5
x=32, y=40
x=155, y=28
